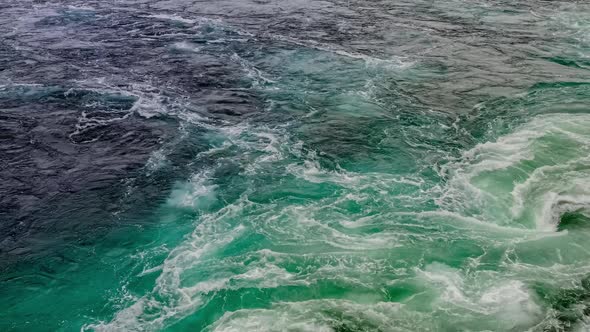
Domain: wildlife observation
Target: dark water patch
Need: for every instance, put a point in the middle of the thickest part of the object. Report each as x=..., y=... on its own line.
x=574, y=221
x=67, y=17
x=571, y=305
x=52, y=166
x=576, y=63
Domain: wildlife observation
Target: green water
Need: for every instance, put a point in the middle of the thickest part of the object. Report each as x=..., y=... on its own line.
x=354, y=215
x=368, y=194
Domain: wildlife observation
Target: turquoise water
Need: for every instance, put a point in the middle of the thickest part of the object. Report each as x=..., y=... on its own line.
x=428, y=170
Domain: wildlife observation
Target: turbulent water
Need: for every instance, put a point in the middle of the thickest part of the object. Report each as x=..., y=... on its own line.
x=268, y=165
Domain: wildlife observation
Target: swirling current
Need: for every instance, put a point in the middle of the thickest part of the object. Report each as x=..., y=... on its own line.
x=270, y=165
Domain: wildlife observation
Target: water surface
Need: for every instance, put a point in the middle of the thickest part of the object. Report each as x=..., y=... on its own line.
x=295, y=165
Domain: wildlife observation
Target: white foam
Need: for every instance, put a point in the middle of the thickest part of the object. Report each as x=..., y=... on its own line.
x=448, y=280
x=390, y=63
x=256, y=75
x=186, y=46
x=554, y=184
x=311, y=171
x=176, y=18
x=301, y=224
x=486, y=294
x=197, y=193
x=85, y=123
x=147, y=107
x=83, y=8
x=511, y=303
x=312, y=316
x=156, y=160
x=264, y=275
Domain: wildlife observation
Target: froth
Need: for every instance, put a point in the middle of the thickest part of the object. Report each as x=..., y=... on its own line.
x=528, y=178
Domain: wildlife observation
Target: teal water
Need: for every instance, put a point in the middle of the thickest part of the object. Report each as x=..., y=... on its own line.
x=417, y=175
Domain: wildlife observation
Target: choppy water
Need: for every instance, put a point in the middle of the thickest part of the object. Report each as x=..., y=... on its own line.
x=295, y=165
